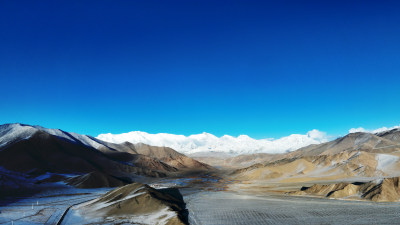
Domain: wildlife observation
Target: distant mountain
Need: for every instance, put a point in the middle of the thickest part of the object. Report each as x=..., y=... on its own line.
x=206, y=142
x=235, y=162
x=354, y=156
x=35, y=150
x=352, y=142
x=393, y=135
x=168, y=156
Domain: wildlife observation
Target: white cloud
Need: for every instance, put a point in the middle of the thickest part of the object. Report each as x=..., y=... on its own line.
x=361, y=129
x=355, y=130
x=206, y=142
x=318, y=135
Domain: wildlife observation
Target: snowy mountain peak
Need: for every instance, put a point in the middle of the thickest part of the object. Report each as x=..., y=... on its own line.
x=203, y=142
x=206, y=142
x=14, y=132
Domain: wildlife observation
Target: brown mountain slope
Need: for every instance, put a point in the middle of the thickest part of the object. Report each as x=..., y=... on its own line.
x=355, y=157
x=385, y=142
x=351, y=142
x=39, y=150
x=344, y=165
x=172, y=160
x=95, y=180
x=385, y=190
x=393, y=135
x=141, y=161
x=43, y=152
x=169, y=156
x=240, y=161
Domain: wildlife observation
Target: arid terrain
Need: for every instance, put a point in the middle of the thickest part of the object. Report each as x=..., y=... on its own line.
x=54, y=177
x=199, y=112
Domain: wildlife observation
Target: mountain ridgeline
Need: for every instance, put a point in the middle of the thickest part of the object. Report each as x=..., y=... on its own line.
x=354, y=155
x=357, y=157
x=36, y=151
x=355, y=164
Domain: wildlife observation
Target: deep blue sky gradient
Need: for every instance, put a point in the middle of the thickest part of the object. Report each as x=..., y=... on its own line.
x=262, y=68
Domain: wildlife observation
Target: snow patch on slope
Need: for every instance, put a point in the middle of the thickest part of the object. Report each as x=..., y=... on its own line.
x=160, y=218
x=385, y=161
x=10, y=133
x=206, y=142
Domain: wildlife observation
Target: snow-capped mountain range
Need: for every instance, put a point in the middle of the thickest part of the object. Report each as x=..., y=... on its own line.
x=52, y=150
x=197, y=143
x=206, y=142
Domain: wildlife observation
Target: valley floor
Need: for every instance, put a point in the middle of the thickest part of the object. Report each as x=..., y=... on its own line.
x=44, y=208
x=209, y=201
x=232, y=208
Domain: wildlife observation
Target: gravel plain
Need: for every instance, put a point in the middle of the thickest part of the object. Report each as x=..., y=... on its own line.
x=211, y=205
x=231, y=208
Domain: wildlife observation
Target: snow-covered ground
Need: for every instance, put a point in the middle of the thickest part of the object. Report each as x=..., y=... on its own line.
x=385, y=161
x=44, y=208
x=161, y=217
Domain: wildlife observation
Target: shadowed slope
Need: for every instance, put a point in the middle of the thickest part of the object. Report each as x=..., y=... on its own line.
x=95, y=180
x=43, y=152
x=37, y=150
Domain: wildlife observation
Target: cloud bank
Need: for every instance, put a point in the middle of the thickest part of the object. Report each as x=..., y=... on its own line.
x=207, y=142
x=382, y=129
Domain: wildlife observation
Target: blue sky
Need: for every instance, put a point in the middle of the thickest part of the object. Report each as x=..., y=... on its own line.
x=261, y=68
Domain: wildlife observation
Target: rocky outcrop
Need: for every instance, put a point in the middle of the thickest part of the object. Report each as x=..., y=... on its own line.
x=137, y=203
x=386, y=191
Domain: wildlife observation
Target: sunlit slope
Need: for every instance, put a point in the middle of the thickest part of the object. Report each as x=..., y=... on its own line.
x=383, y=190
x=352, y=156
